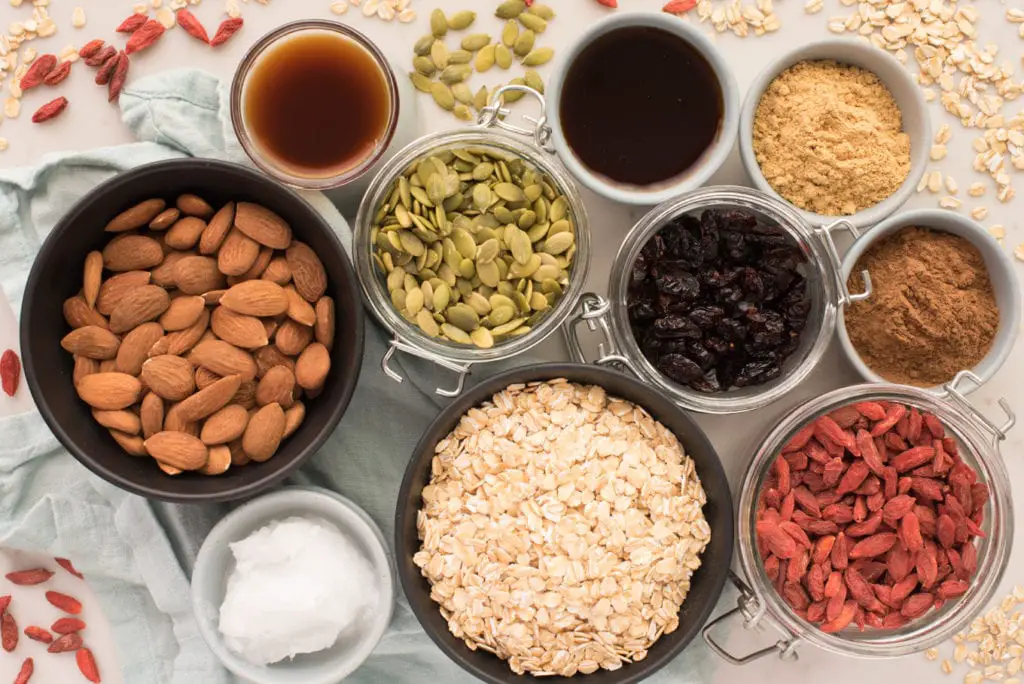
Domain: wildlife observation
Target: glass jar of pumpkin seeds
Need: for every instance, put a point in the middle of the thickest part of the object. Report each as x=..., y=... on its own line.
x=472, y=245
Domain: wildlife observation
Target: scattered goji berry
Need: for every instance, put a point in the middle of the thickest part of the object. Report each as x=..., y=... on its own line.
x=100, y=57
x=91, y=48
x=144, y=36
x=50, y=110
x=118, y=78
x=8, y=632
x=227, y=28
x=27, y=578
x=25, y=673
x=58, y=74
x=66, y=643
x=192, y=25
x=38, y=634
x=87, y=665
x=67, y=626
x=10, y=375
x=679, y=6
x=132, y=24
x=67, y=565
x=69, y=604
x=40, y=68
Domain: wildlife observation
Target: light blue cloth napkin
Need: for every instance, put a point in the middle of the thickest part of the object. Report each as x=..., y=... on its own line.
x=137, y=554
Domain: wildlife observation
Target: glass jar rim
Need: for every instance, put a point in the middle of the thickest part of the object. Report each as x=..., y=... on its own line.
x=251, y=147
x=977, y=439
x=724, y=402
x=375, y=291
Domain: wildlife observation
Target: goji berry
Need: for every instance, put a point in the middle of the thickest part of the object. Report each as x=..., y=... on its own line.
x=227, y=28
x=59, y=73
x=69, y=604
x=87, y=665
x=10, y=374
x=67, y=565
x=8, y=632
x=192, y=25
x=679, y=6
x=132, y=24
x=144, y=36
x=40, y=68
x=67, y=625
x=50, y=110
x=66, y=643
x=91, y=48
x=25, y=673
x=38, y=634
x=27, y=578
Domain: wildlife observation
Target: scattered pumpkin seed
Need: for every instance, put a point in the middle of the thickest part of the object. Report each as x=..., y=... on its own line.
x=427, y=323
x=460, y=57
x=462, y=93
x=482, y=338
x=420, y=82
x=438, y=23
x=475, y=41
x=510, y=33
x=502, y=56
x=481, y=98
x=460, y=21
x=543, y=11
x=422, y=46
x=456, y=73
x=463, y=112
x=538, y=57
x=514, y=95
x=424, y=65
x=534, y=80
x=533, y=22
x=443, y=97
x=524, y=43
x=485, y=58
x=439, y=53
x=510, y=9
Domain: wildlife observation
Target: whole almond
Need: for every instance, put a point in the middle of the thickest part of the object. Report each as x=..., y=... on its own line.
x=225, y=425
x=264, y=433
x=323, y=329
x=270, y=356
x=132, y=253
x=256, y=298
x=218, y=461
x=92, y=277
x=237, y=254
x=276, y=387
x=143, y=304
x=313, y=366
x=84, y=366
x=299, y=310
x=181, y=341
x=165, y=275
x=213, y=237
x=270, y=325
x=133, y=445
x=108, y=366
x=213, y=297
x=177, y=449
x=293, y=418
x=160, y=347
x=224, y=358
x=136, y=217
x=291, y=338
x=185, y=233
x=257, y=268
x=238, y=455
x=78, y=314
x=109, y=391
x=168, y=469
x=165, y=219
x=207, y=401
x=308, y=272
x=151, y=414
x=278, y=271
x=170, y=377
x=194, y=205
x=173, y=422
x=263, y=225
x=183, y=312
x=195, y=275
x=116, y=287
x=135, y=348
x=246, y=395
x=122, y=421
x=242, y=331
x=204, y=376
x=92, y=341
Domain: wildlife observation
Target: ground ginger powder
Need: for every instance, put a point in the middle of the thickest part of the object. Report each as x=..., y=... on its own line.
x=932, y=312
x=829, y=138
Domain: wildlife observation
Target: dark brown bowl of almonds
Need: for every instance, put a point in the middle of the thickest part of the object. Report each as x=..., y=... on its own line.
x=181, y=335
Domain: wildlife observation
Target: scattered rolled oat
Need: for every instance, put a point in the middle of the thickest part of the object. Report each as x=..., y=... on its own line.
x=976, y=190
x=993, y=645
x=560, y=529
x=979, y=213
x=949, y=202
x=951, y=185
x=997, y=231
x=1019, y=251
x=78, y=17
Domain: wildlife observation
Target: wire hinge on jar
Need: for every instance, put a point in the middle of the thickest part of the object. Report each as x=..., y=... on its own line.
x=753, y=611
x=825, y=233
x=495, y=114
x=955, y=396
x=396, y=345
x=593, y=310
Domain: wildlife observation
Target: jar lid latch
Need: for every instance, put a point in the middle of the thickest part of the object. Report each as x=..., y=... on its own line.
x=752, y=611
x=593, y=310
x=955, y=396
x=396, y=345
x=494, y=114
x=825, y=233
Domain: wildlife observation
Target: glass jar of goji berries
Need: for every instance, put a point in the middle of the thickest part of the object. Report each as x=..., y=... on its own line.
x=970, y=437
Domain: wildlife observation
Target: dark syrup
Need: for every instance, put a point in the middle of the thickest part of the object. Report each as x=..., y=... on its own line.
x=640, y=105
x=317, y=104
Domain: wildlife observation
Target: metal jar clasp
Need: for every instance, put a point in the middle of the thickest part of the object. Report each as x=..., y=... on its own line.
x=752, y=610
x=397, y=345
x=495, y=114
x=825, y=234
x=593, y=309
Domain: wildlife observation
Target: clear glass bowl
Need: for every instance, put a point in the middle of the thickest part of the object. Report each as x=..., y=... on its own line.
x=407, y=336
x=822, y=270
x=978, y=440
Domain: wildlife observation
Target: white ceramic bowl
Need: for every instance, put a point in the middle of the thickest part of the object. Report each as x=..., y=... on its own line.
x=1000, y=270
x=215, y=563
x=713, y=157
x=916, y=121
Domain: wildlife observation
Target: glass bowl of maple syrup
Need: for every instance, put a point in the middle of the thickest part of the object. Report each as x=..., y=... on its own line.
x=315, y=104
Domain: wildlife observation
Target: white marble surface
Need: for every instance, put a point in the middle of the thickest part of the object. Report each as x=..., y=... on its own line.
x=90, y=121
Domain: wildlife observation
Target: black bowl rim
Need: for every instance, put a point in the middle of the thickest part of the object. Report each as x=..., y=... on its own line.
x=36, y=275
x=482, y=391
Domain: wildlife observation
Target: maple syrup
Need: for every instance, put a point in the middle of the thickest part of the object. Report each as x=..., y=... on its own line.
x=317, y=104
x=640, y=105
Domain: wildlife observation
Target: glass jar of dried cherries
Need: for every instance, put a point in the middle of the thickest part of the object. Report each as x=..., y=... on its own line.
x=724, y=298
x=919, y=581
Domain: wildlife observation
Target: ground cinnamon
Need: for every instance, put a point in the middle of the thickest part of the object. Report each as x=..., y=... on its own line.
x=932, y=313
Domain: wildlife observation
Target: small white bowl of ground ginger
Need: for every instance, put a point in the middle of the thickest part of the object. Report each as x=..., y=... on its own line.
x=945, y=299
x=839, y=130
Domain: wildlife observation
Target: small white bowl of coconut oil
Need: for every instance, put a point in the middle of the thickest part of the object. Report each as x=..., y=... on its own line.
x=294, y=587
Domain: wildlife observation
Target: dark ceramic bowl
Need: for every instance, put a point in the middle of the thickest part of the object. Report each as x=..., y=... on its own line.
x=57, y=275
x=707, y=582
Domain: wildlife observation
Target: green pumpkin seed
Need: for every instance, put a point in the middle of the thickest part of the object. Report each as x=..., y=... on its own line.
x=464, y=243
x=559, y=208
x=438, y=23
x=482, y=338
x=483, y=171
x=482, y=197
x=398, y=299
x=534, y=80
x=510, y=9
x=442, y=96
x=420, y=82
x=460, y=57
x=538, y=231
x=462, y=316
x=522, y=303
x=509, y=192
x=396, y=278
x=488, y=273
x=467, y=268
x=502, y=56
x=533, y=22
x=547, y=272
x=463, y=94
x=500, y=315
x=424, y=65
x=538, y=302
x=527, y=219
x=506, y=328
x=414, y=301
x=524, y=43
x=455, y=334
x=538, y=57
x=439, y=54
x=515, y=95
x=486, y=252
x=456, y=73
x=558, y=243
x=543, y=11
x=479, y=303
x=522, y=248
x=422, y=46
x=427, y=324
x=460, y=21
x=475, y=41
x=411, y=244
x=485, y=59
x=510, y=33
